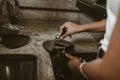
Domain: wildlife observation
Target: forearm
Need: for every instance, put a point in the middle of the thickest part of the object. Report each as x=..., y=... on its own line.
x=92, y=70
x=108, y=68
x=95, y=26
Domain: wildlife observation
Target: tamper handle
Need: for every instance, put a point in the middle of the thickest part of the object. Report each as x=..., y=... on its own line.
x=64, y=30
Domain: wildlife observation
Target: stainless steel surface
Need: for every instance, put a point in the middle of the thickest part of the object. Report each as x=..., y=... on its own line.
x=18, y=67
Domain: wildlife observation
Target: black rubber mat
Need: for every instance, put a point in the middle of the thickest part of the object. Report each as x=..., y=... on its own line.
x=14, y=40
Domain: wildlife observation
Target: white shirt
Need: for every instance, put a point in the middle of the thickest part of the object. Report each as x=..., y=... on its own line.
x=113, y=8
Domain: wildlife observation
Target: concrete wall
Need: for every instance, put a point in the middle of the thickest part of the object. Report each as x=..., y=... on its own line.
x=49, y=15
x=61, y=4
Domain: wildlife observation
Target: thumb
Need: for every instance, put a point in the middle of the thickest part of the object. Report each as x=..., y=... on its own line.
x=70, y=56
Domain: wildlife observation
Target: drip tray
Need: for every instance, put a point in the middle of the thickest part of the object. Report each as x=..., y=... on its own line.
x=18, y=67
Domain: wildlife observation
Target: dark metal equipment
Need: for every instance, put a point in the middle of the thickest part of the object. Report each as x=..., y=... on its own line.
x=8, y=29
x=94, y=8
x=18, y=67
x=9, y=36
x=57, y=49
x=10, y=7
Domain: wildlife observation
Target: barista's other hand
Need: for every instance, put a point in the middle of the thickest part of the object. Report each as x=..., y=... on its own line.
x=73, y=63
x=71, y=29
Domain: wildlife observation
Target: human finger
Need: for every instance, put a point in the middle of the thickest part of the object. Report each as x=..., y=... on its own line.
x=70, y=56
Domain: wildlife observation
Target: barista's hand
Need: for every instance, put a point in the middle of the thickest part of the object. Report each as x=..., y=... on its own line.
x=71, y=29
x=73, y=63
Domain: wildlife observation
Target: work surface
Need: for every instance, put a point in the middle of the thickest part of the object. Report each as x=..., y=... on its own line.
x=40, y=31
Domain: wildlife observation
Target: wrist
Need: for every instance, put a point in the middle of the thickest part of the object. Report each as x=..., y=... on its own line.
x=81, y=70
x=81, y=28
